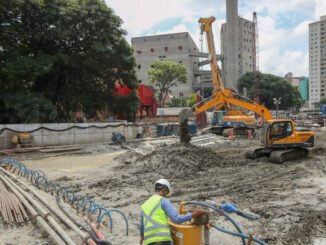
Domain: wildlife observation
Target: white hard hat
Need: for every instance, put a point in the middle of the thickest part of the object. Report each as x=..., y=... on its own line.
x=165, y=183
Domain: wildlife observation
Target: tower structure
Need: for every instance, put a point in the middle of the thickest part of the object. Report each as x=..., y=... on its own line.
x=237, y=46
x=255, y=48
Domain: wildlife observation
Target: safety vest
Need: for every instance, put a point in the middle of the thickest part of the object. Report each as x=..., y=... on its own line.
x=156, y=227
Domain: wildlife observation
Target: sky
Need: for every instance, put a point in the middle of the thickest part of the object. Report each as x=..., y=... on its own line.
x=282, y=25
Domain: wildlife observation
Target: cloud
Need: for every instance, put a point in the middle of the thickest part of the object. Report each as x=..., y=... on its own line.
x=283, y=25
x=320, y=8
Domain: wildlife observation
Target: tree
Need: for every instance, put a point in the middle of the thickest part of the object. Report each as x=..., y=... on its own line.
x=270, y=87
x=165, y=75
x=320, y=103
x=72, y=52
x=188, y=101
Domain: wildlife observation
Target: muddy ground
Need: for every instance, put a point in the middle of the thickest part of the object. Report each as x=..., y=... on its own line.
x=290, y=198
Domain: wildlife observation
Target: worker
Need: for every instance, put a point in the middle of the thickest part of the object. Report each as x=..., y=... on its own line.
x=154, y=227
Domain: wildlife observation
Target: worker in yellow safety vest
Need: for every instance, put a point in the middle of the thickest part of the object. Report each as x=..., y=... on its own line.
x=155, y=212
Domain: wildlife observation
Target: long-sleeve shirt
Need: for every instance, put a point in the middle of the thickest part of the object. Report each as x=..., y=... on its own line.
x=170, y=212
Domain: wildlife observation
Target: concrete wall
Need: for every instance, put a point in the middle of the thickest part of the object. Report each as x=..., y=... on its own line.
x=73, y=136
x=167, y=47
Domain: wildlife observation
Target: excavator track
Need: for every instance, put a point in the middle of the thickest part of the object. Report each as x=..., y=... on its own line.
x=257, y=153
x=280, y=156
x=277, y=156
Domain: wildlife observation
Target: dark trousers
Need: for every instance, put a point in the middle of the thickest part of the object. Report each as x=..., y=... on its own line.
x=161, y=243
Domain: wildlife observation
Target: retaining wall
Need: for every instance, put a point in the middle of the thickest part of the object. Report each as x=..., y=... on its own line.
x=84, y=134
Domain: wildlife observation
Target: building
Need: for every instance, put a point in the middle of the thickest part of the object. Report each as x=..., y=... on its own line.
x=237, y=46
x=317, y=61
x=302, y=83
x=177, y=47
x=304, y=88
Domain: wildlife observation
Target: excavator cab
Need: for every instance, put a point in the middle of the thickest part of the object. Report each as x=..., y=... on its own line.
x=280, y=130
x=282, y=141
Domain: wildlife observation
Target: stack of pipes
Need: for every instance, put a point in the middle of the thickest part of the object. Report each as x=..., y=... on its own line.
x=11, y=208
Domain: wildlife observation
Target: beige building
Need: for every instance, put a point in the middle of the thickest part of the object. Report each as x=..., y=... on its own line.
x=237, y=46
x=177, y=47
x=317, y=61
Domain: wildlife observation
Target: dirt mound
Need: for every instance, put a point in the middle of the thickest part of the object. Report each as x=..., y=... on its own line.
x=181, y=161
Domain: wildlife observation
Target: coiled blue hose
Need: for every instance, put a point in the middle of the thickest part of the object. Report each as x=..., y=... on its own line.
x=221, y=211
x=81, y=203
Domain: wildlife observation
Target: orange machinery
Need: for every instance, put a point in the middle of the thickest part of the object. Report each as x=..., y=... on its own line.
x=281, y=140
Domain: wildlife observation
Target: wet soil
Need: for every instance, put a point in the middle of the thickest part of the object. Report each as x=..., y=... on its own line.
x=290, y=198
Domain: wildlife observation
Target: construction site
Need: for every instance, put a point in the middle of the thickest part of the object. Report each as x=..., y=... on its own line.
x=288, y=198
x=244, y=174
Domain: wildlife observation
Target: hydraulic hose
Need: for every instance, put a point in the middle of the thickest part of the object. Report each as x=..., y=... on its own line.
x=221, y=211
x=218, y=210
x=237, y=234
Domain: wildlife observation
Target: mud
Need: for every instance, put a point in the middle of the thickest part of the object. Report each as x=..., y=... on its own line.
x=290, y=198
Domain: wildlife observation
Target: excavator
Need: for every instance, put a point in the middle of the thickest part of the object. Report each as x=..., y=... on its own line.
x=280, y=138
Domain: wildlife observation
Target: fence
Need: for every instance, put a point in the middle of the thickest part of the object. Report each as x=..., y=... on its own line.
x=67, y=133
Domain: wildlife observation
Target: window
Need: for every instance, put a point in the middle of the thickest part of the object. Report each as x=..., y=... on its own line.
x=166, y=49
x=138, y=52
x=180, y=47
x=280, y=130
x=152, y=50
x=139, y=66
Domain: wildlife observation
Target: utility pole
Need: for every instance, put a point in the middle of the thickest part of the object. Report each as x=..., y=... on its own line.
x=277, y=102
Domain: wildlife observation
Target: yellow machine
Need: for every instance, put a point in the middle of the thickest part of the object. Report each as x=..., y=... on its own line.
x=189, y=233
x=282, y=141
x=238, y=119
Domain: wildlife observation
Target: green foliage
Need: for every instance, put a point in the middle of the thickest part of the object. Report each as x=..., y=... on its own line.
x=174, y=102
x=126, y=106
x=187, y=101
x=165, y=75
x=269, y=87
x=320, y=103
x=191, y=100
x=72, y=51
x=26, y=108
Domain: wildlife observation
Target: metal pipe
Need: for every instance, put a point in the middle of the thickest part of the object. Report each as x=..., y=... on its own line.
x=44, y=213
x=206, y=235
x=60, y=215
x=34, y=214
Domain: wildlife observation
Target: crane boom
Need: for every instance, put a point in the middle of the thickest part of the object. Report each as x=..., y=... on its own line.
x=206, y=26
x=222, y=96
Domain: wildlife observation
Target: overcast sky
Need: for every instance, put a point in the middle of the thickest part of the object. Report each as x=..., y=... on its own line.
x=282, y=25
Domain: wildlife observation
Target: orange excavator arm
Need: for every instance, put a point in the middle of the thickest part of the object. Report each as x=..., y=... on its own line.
x=229, y=97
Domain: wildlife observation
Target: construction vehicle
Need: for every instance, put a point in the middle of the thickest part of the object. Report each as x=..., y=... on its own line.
x=237, y=119
x=282, y=141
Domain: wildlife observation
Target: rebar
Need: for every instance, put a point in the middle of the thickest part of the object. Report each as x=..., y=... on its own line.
x=11, y=208
x=34, y=214
x=46, y=215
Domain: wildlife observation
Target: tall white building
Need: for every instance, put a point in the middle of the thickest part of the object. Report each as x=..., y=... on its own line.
x=317, y=61
x=237, y=45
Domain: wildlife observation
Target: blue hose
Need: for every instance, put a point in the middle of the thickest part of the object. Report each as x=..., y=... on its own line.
x=38, y=179
x=243, y=236
x=221, y=211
